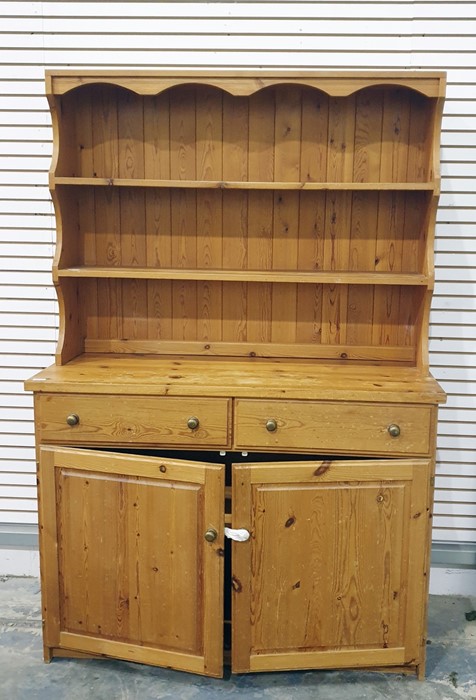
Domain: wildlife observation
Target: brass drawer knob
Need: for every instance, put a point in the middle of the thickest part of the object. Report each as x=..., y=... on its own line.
x=72, y=419
x=211, y=534
x=271, y=425
x=393, y=430
x=193, y=423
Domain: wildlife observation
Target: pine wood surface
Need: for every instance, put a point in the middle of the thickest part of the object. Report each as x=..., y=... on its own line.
x=331, y=427
x=325, y=426
x=381, y=136
x=128, y=419
x=376, y=354
x=238, y=184
x=243, y=82
x=134, y=576
x=288, y=217
x=329, y=540
x=378, y=278
x=241, y=247
x=232, y=377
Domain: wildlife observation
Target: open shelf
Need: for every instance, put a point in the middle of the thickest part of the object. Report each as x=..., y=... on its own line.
x=286, y=276
x=241, y=185
x=365, y=322
x=281, y=136
x=244, y=235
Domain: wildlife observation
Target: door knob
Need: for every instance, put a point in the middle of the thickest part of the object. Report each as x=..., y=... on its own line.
x=211, y=534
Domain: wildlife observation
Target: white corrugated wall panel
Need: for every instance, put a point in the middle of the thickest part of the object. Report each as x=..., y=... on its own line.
x=358, y=35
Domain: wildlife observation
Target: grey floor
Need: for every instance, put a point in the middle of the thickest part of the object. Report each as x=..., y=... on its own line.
x=451, y=667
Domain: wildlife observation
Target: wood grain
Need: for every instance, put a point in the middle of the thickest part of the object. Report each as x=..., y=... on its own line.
x=227, y=377
x=239, y=247
x=105, y=134
x=133, y=420
x=195, y=184
x=122, y=534
x=297, y=611
x=246, y=81
x=210, y=187
x=354, y=428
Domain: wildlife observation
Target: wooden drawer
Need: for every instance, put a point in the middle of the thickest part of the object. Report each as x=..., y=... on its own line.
x=119, y=420
x=332, y=427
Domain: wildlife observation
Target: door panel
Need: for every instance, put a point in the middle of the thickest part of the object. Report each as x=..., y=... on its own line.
x=135, y=577
x=333, y=574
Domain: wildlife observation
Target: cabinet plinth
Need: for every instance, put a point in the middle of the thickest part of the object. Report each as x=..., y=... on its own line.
x=244, y=274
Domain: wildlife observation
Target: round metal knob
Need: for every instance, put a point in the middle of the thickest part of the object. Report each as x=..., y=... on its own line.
x=193, y=423
x=72, y=419
x=393, y=430
x=211, y=534
x=271, y=425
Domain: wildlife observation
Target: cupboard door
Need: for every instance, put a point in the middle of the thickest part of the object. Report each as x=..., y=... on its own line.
x=127, y=571
x=334, y=573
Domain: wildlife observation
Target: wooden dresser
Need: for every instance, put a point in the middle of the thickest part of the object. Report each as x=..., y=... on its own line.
x=244, y=271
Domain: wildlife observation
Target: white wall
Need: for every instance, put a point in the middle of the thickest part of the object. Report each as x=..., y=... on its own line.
x=357, y=35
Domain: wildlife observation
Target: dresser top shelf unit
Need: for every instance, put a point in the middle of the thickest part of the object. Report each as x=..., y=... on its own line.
x=246, y=214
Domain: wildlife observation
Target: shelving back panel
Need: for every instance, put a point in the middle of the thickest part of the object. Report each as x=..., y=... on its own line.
x=196, y=180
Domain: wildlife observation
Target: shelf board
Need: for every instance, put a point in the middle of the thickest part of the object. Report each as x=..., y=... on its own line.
x=239, y=185
x=212, y=275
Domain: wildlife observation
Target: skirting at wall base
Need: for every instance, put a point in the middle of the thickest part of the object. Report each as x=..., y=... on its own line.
x=19, y=562
x=453, y=582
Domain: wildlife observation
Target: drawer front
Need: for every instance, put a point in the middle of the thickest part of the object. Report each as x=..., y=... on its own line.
x=332, y=427
x=131, y=419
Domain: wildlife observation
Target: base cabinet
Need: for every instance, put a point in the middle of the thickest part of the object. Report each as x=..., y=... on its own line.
x=331, y=576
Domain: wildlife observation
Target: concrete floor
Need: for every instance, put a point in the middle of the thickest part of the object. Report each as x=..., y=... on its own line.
x=451, y=667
